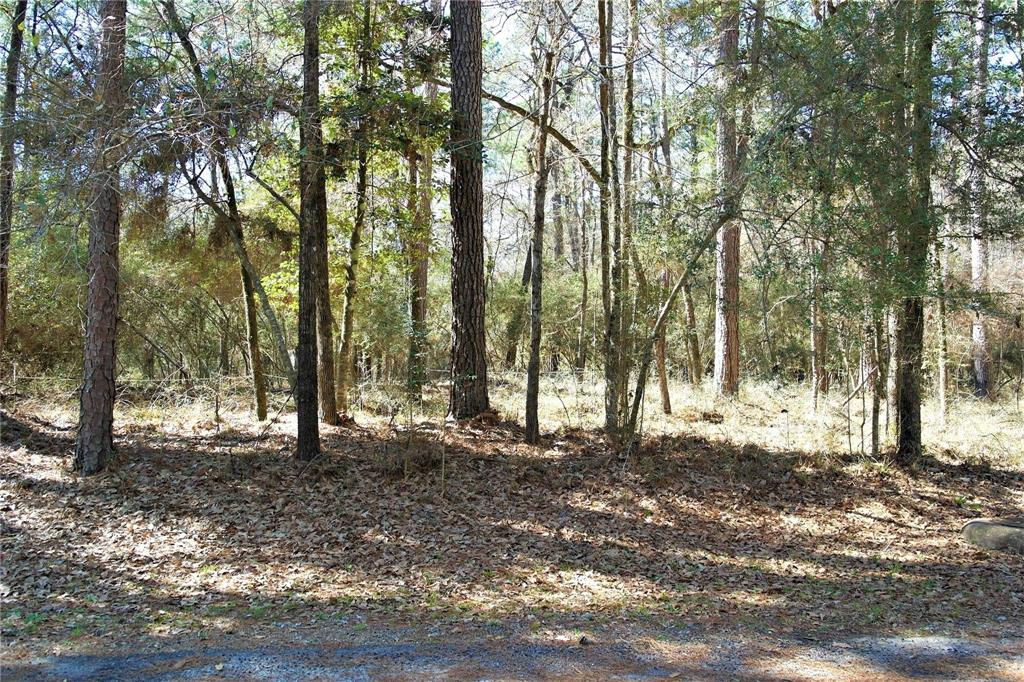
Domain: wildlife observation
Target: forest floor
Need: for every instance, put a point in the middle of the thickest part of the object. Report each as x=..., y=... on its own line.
x=742, y=537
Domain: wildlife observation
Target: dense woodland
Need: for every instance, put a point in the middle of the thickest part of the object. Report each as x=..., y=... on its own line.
x=425, y=196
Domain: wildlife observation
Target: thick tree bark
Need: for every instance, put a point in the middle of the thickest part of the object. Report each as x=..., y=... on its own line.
x=979, y=203
x=95, y=444
x=7, y=157
x=469, y=357
x=312, y=184
x=537, y=255
x=727, y=253
x=913, y=244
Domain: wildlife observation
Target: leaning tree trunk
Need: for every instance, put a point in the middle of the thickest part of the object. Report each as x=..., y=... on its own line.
x=252, y=285
x=7, y=157
x=727, y=261
x=537, y=255
x=913, y=245
x=469, y=356
x=979, y=204
x=312, y=187
x=95, y=444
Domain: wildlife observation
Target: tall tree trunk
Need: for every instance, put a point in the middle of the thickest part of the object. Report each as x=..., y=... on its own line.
x=727, y=253
x=7, y=157
x=419, y=250
x=628, y=206
x=979, y=203
x=611, y=244
x=315, y=183
x=423, y=219
x=95, y=445
x=313, y=188
x=540, y=193
x=690, y=320
x=346, y=359
x=913, y=244
x=469, y=356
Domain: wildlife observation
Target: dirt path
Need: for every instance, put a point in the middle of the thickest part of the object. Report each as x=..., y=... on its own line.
x=596, y=657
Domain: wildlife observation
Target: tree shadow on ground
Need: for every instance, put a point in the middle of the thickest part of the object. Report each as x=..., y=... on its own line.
x=210, y=531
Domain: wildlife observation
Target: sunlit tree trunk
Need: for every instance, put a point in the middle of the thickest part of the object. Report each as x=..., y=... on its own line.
x=537, y=254
x=628, y=254
x=7, y=157
x=312, y=186
x=95, y=445
x=727, y=253
x=913, y=243
x=611, y=257
x=469, y=356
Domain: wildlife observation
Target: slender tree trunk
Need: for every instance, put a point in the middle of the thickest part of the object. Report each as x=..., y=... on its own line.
x=312, y=184
x=419, y=250
x=557, y=224
x=819, y=329
x=611, y=244
x=346, y=359
x=879, y=379
x=95, y=445
x=469, y=356
x=727, y=254
x=943, y=368
x=423, y=218
x=581, y=337
x=252, y=335
x=913, y=244
x=980, y=354
x=628, y=206
x=660, y=351
x=537, y=255
x=252, y=286
x=7, y=157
